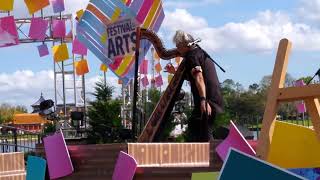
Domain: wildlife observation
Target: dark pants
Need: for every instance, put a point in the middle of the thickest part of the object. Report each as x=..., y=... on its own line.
x=200, y=127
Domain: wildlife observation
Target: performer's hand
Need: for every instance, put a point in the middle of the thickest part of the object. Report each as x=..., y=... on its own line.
x=204, y=109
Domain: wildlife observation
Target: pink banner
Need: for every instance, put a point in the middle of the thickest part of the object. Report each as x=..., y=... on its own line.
x=38, y=28
x=125, y=167
x=8, y=32
x=78, y=47
x=301, y=107
x=144, y=10
x=57, y=5
x=159, y=81
x=145, y=81
x=58, y=158
x=234, y=140
x=144, y=67
x=59, y=28
x=43, y=50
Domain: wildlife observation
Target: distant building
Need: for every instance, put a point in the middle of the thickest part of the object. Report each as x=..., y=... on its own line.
x=36, y=105
x=30, y=122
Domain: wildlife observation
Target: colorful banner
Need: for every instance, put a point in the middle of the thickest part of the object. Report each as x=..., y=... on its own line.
x=144, y=67
x=57, y=5
x=36, y=5
x=43, y=50
x=60, y=52
x=78, y=47
x=8, y=32
x=103, y=68
x=38, y=28
x=59, y=28
x=81, y=67
x=6, y=5
x=93, y=30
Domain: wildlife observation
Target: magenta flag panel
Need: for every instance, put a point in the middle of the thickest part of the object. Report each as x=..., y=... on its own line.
x=78, y=47
x=8, y=32
x=38, y=28
x=57, y=5
x=43, y=50
x=234, y=140
x=57, y=154
x=145, y=81
x=159, y=81
x=59, y=28
x=144, y=67
x=125, y=167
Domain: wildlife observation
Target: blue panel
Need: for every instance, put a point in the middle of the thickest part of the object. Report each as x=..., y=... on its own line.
x=241, y=166
x=93, y=22
x=36, y=168
x=104, y=7
x=95, y=50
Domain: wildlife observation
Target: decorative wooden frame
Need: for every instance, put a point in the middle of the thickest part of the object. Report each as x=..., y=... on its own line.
x=278, y=94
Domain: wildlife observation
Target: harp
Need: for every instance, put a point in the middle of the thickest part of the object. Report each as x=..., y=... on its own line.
x=165, y=105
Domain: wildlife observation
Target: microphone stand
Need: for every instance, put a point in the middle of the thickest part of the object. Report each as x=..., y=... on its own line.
x=317, y=73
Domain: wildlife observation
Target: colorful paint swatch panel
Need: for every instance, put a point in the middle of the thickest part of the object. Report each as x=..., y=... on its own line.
x=99, y=15
x=43, y=50
x=59, y=28
x=8, y=32
x=311, y=173
x=60, y=52
x=144, y=67
x=204, y=176
x=78, y=47
x=103, y=67
x=234, y=140
x=36, y=5
x=38, y=28
x=145, y=81
x=57, y=154
x=12, y=166
x=81, y=67
x=239, y=165
x=57, y=5
x=156, y=56
x=6, y=5
x=125, y=167
x=301, y=107
x=36, y=168
x=158, y=67
x=159, y=81
x=299, y=83
x=294, y=146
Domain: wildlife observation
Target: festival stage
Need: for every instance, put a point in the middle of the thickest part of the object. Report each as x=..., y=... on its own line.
x=97, y=162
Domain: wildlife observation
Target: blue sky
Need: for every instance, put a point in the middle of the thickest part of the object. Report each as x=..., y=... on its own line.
x=241, y=35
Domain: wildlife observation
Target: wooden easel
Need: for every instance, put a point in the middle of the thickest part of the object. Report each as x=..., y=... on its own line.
x=278, y=94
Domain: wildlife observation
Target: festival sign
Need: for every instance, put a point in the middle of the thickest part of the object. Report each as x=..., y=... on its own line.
x=121, y=37
x=107, y=28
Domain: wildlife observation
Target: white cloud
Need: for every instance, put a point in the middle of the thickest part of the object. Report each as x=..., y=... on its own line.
x=309, y=9
x=24, y=87
x=189, y=3
x=259, y=34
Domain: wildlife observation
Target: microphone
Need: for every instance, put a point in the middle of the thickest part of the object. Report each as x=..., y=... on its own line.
x=194, y=42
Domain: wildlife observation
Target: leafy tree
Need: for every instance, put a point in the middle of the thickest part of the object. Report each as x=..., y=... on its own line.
x=104, y=116
x=7, y=112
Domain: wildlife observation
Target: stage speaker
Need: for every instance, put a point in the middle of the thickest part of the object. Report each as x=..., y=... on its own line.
x=46, y=104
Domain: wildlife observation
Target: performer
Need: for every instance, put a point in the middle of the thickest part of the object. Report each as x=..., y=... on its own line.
x=205, y=88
